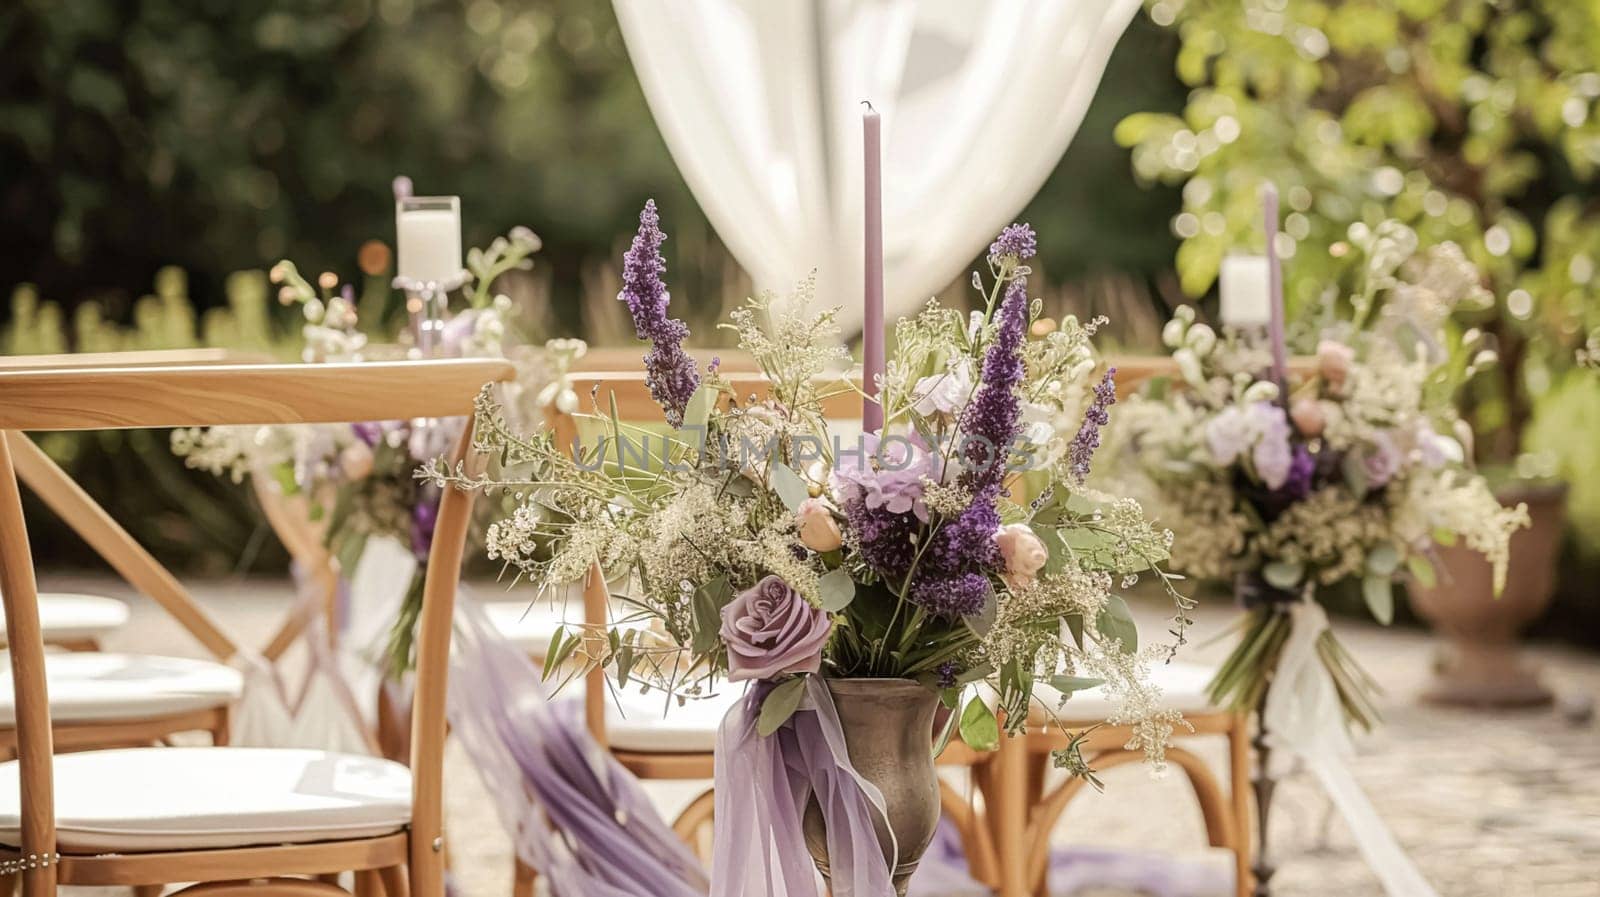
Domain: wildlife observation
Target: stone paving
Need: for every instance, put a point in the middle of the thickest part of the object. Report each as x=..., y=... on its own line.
x=1503, y=804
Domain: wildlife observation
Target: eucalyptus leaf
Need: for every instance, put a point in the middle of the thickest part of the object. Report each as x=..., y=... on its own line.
x=1379, y=592
x=1069, y=684
x=1383, y=560
x=1075, y=626
x=1355, y=473
x=1057, y=555
x=979, y=729
x=698, y=409
x=709, y=600
x=1116, y=622
x=1422, y=571
x=837, y=590
x=1283, y=574
x=790, y=488
x=624, y=660
x=780, y=704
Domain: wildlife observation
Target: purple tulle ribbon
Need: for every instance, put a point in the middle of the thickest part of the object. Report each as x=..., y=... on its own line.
x=762, y=788
x=579, y=818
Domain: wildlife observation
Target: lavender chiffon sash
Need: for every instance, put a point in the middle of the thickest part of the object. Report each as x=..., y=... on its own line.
x=583, y=822
x=762, y=788
x=576, y=816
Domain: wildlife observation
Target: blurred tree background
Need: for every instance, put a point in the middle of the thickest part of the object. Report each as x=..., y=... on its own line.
x=155, y=156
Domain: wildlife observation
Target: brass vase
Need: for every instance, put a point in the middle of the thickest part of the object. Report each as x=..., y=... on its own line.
x=888, y=726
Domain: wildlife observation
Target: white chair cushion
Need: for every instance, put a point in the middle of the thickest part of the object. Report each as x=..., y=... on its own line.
x=652, y=722
x=96, y=687
x=531, y=626
x=147, y=799
x=65, y=617
x=1182, y=685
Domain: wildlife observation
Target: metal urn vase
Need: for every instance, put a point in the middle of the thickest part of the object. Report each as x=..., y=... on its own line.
x=888, y=726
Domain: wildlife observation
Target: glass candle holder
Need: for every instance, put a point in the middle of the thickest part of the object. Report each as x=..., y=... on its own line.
x=428, y=238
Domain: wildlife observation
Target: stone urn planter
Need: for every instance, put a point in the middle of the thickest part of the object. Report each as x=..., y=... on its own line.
x=1480, y=663
x=887, y=727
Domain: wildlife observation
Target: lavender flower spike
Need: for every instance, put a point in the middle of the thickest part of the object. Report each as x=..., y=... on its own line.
x=669, y=371
x=992, y=418
x=1082, y=450
x=1017, y=241
x=952, y=580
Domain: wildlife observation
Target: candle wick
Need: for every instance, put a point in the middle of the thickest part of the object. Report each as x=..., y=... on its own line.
x=868, y=104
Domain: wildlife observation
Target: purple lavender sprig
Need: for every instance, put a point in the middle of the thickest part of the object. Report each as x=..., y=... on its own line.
x=1081, y=453
x=951, y=579
x=669, y=371
x=992, y=420
x=1017, y=241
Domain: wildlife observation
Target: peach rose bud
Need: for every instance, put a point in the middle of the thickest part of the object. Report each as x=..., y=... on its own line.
x=818, y=530
x=1308, y=417
x=1334, y=361
x=1024, y=554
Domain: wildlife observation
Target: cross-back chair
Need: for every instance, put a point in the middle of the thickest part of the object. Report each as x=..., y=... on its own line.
x=132, y=699
x=236, y=820
x=1029, y=811
x=75, y=621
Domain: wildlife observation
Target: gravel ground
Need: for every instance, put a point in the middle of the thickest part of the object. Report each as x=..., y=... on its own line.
x=1503, y=804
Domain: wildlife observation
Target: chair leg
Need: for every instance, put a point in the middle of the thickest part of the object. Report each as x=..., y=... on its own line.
x=8, y=885
x=148, y=890
x=1239, y=791
x=368, y=884
x=522, y=879
x=220, y=732
x=394, y=881
x=690, y=824
x=977, y=842
x=1009, y=806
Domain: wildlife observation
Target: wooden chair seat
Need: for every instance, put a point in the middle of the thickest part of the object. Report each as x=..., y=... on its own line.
x=76, y=621
x=203, y=798
x=96, y=687
x=531, y=626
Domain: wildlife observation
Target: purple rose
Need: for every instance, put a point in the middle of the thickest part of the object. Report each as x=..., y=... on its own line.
x=771, y=630
x=1382, y=462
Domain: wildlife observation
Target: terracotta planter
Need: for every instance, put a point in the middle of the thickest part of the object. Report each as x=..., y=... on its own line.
x=887, y=725
x=1480, y=663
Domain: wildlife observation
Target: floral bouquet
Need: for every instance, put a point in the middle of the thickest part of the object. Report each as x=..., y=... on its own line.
x=756, y=539
x=1350, y=475
x=358, y=479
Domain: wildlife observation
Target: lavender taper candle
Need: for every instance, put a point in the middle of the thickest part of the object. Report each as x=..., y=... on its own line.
x=872, y=364
x=1275, y=326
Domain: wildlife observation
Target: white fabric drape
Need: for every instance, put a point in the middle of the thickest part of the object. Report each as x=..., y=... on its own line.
x=1302, y=719
x=758, y=102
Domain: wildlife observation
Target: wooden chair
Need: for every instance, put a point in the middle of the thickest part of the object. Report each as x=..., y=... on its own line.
x=1032, y=812
x=136, y=699
x=1025, y=814
x=74, y=621
x=229, y=818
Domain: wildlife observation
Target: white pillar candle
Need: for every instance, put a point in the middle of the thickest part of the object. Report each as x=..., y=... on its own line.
x=1246, y=291
x=428, y=238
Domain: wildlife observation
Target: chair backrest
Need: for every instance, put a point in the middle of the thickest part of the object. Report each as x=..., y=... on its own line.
x=229, y=394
